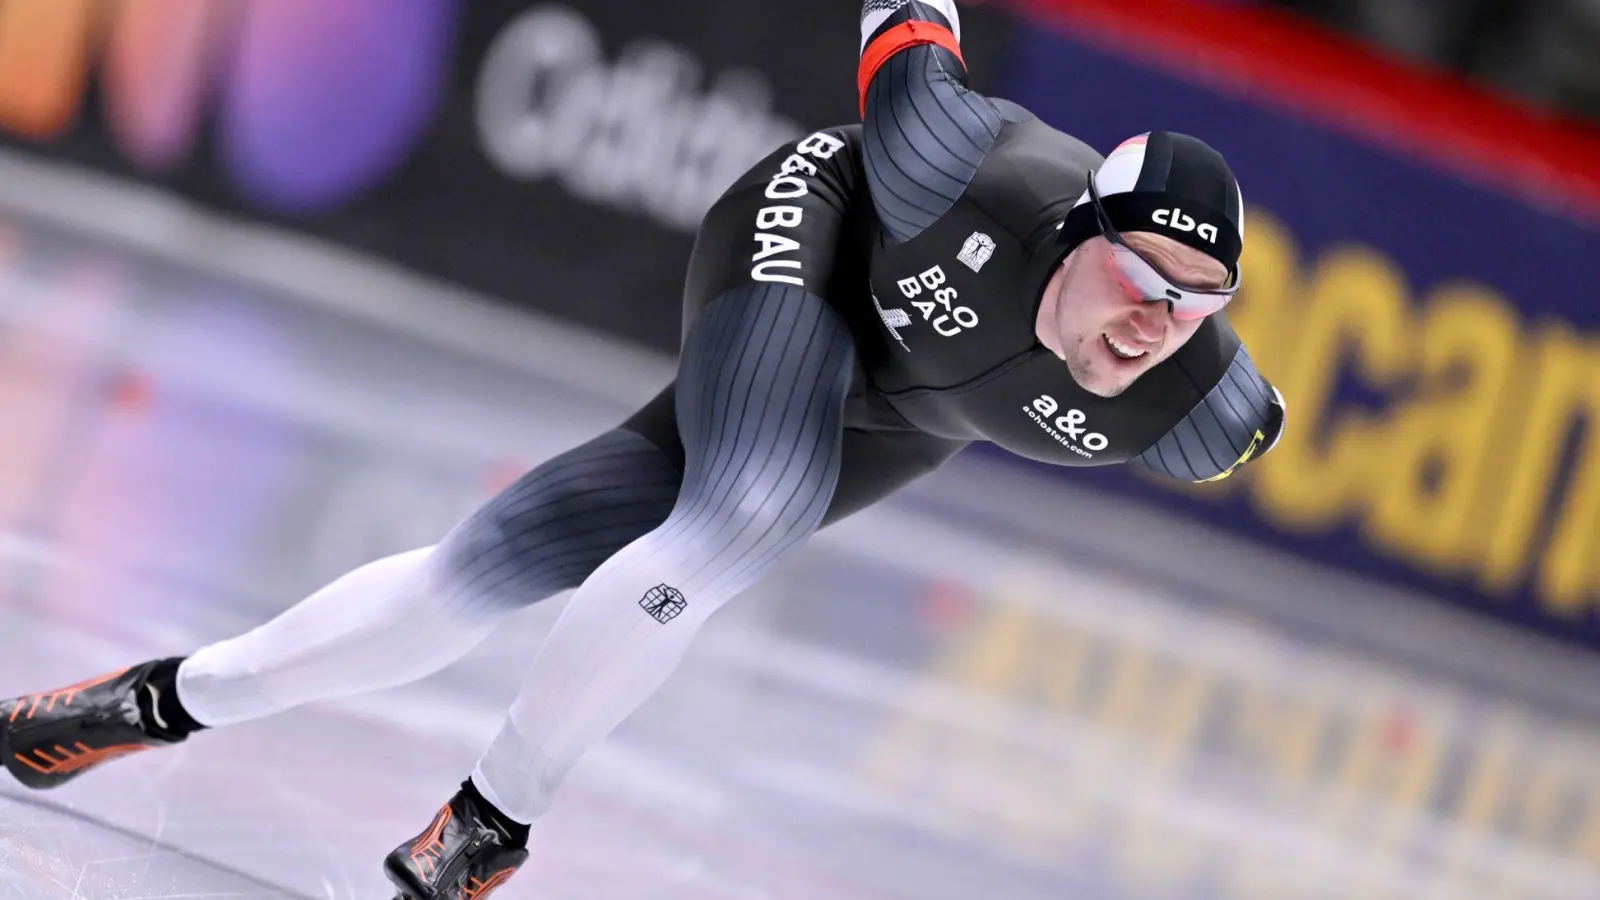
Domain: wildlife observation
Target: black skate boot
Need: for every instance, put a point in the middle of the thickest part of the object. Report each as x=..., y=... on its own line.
x=48, y=739
x=466, y=853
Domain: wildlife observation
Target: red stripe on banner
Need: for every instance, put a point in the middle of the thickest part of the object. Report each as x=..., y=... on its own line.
x=1272, y=54
x=901, y=37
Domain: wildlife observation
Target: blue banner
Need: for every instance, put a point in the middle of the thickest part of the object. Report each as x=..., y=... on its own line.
x=1435, y=341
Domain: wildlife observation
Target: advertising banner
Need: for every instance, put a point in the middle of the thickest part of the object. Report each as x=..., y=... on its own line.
x=1434, y=334
x=551, y=154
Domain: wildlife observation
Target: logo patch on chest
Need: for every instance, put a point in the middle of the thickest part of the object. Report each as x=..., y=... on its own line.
x=1070, y=429
x=976, y=251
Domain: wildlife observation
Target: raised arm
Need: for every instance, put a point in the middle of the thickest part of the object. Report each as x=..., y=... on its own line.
x=924, y=132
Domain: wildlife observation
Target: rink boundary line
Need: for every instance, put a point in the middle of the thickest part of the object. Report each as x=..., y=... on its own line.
x=331, y=278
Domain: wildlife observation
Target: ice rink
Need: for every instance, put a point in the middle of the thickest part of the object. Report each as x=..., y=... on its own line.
x=986, y=688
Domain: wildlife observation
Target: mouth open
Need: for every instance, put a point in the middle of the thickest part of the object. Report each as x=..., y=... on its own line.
x=1122, y=351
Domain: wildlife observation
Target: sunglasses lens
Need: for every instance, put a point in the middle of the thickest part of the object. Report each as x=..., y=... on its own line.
x=1199, y=309
x=1143, y=280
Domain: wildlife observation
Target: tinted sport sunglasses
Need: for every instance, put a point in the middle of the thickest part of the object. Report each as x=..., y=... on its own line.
x=1143, y=278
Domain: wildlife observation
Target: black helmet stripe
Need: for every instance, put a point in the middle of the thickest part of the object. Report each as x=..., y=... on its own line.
x=1157, y=168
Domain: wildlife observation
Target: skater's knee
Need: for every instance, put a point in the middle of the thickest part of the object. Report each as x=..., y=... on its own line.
x=767, y=501
x=771, y=521
x=554, y=526
x=734, y=542
x=495, y=554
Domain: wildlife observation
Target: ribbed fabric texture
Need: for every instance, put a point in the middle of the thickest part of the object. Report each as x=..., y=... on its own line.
x=1218, y=431
x=925, y=133
x=760, y=401
x=407, y=616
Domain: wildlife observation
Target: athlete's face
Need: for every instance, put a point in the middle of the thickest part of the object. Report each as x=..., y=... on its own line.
x=1107, y=335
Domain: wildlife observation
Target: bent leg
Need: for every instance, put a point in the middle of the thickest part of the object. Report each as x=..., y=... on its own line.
x=873, y=464
x=759, y=401
x=407, y=616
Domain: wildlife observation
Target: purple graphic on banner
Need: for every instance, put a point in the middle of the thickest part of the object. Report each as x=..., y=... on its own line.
x=1434, y=340
x=327, y=98
x=314, y=102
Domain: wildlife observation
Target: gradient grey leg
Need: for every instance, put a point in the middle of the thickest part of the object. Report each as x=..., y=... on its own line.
x=760, y=401
x=407, y=616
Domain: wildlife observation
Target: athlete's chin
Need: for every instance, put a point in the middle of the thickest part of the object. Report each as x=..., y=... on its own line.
x=1102, y=374
x=1108, y=389
x=1098, y=379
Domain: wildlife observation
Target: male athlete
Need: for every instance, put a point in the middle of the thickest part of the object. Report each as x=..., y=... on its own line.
x=859, y=307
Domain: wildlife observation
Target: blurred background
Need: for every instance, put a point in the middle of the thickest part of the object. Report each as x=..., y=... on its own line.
x=289, y=285
x=1537, y=53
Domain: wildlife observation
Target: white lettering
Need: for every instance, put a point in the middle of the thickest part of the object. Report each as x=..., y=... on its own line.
x=1070, y=422
x=822, y=146
x=773, y=244
x=783, y=186
x=797, y=188
x=963, y=318
x=956, y=318
x=1069, y=430
x=1055, y=435
x=640, y=132
x=760, y=272
x=798, y=164
x=779, y=217
x=1178, y=219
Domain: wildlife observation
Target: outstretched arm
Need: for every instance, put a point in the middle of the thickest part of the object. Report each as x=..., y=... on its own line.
x=1239, y=421
x=924, y=132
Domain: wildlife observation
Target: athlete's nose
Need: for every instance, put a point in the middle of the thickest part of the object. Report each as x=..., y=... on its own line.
x=1149, y=321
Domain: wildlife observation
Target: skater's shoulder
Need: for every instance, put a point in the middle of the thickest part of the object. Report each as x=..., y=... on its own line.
x=1030, y=145
x=1034, y=173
